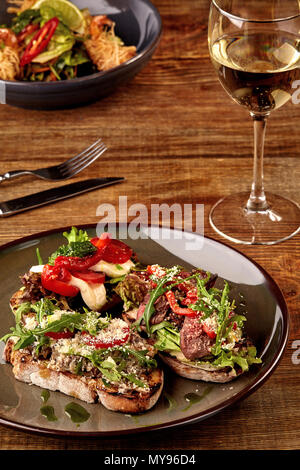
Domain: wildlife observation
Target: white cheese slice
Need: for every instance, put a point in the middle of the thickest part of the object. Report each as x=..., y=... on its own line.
x=37, y=269
x=113, y=270
x=94, y=295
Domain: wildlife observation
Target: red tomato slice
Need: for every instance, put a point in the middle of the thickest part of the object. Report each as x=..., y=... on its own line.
x=55, y=279
x=117, y=252
x=90, y=276
x=114, y=251
x=98, y=344
x=59, y=334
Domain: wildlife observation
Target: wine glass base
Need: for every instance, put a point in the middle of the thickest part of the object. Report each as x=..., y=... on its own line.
x=231, y=219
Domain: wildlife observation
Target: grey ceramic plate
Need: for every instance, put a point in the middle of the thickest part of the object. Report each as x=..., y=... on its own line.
x=257, y=296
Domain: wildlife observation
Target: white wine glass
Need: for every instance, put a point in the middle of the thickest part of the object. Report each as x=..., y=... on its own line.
x=254, y=46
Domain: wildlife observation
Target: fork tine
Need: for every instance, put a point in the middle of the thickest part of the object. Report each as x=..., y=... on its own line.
x=82, y=154
x=73, y=166
x=74, y=163
x=84, y=165
x=72, y=170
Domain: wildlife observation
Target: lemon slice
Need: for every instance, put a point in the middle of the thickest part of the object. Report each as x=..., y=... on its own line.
x=69, y=13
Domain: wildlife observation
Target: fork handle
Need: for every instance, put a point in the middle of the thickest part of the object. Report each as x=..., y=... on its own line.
x=13, y=174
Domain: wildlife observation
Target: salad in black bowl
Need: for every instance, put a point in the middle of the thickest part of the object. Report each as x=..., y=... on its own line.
x=58, y=53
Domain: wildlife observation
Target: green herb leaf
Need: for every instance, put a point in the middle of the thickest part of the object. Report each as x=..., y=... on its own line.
x=133, y=379
x=76, y=235
x=38, y=255
x=76, y=248
x=25, y=18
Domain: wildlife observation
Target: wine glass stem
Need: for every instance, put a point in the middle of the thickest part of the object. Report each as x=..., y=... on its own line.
x=257, y=200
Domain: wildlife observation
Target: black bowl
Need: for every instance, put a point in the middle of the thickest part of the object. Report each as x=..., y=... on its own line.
x=138, y=23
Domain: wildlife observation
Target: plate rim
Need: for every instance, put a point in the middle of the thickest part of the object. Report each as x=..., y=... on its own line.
x=241, y=395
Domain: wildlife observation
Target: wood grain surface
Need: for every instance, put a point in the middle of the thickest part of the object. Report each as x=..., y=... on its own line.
x=175, y=136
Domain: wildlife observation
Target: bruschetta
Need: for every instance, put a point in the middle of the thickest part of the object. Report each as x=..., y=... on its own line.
x=192, y=324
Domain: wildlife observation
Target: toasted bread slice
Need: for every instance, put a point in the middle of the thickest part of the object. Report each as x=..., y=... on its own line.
x=190, y=371
x=90, y=390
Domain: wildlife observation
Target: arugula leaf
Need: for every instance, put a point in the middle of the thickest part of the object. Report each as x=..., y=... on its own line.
x=223, y=310
x=110, y=373
x=43, y=307
x=43, y=341
x=141, y=356
x=26, y=337
x=133, y=379
x=238, y=319
x=25, y=307
x=159, y=290
x=155, y=293
x=208, y=300
x=67, y=320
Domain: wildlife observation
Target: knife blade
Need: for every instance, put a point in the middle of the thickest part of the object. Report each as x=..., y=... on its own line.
x=14, y=206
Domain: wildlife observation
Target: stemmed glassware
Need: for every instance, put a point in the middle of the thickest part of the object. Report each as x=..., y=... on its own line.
x=255, y=49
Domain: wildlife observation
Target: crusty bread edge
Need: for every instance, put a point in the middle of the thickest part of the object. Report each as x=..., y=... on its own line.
x=189, y=371
x=89, y=390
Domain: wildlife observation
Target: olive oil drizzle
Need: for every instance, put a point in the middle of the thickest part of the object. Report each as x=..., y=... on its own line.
x=76, y=413
x=194, y=398
x=48, y=412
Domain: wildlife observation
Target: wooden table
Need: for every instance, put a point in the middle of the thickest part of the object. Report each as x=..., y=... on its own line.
x=176, y=137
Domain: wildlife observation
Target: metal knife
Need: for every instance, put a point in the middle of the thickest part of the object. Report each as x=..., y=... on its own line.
x=14, y=206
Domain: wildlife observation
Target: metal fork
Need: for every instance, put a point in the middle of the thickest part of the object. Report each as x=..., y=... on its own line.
x=66, y=169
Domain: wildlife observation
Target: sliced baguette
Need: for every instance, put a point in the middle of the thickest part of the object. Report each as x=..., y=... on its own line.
x=90, y=390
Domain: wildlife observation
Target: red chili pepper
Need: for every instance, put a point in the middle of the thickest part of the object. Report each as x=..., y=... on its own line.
x=55, y=279
x=39, y=41
x=175, y=307
x=90, y=276
x=60, y=335
x=100, y=344
x=210, y=333
x=29, y=29
x=191, y=297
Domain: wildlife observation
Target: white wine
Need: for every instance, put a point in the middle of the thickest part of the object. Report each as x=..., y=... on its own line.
x=258, y=69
